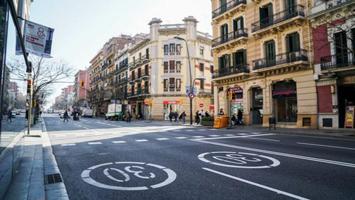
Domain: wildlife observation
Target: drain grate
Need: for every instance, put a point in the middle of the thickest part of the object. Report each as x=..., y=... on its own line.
x=52, y=179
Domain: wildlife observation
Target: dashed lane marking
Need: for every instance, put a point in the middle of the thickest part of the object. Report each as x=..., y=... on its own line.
x=68, y=145
x=142, y=140
x=119, y=142
x=198, y=136
x=162, y=139
x=181, y=138
x=94, y=143
x=263, y=139
x=214, y=135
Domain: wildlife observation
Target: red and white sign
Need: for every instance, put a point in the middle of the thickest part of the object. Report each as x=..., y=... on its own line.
x=171, y=102
x=201, y=105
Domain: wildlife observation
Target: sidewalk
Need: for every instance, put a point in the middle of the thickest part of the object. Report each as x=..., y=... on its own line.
x=37, y=176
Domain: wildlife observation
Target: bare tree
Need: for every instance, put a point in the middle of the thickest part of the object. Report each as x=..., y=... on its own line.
x=46, y=72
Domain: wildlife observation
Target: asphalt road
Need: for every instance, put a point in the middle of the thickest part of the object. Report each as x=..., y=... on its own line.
x=114, y=160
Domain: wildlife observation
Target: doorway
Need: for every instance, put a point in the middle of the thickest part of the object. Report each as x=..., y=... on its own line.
x=257, y=106
x=346, y=98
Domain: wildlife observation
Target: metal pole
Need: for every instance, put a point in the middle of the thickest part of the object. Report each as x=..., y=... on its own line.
x=191, y=85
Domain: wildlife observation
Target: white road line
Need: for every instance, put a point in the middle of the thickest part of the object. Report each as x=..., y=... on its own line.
x=242, y=134
x=329, y=146
x=264, y=139
x=119, y=142
x=181, y=138
x=189, y=130
x=94, y=143
x=214, y=135
x=231, y=137
x=288, y=155
x=198, y=136
x=68, y=145
x=162, y=139
x=257, y=184
x=212, y=129
x=143, y=140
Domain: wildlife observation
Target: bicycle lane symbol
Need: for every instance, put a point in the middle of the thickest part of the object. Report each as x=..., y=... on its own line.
x=239, y=160
x=128, y=176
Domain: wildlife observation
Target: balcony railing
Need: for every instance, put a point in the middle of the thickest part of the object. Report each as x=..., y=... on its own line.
x=231, y=70
x=226, y=7
x=278, y=17
x=291, y=57
x=337, y=61
x=328, y=5
x=231, y=36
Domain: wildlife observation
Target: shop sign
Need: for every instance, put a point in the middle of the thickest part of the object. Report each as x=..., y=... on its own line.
x=349, y=116
x=148, y=101
x=171, y=102
x=201, y=105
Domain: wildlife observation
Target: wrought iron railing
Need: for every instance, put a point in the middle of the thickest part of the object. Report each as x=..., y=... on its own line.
x=226, y=7
x=231, y=36
x=289, y=13
x=231, y=70
x=337, y=61
x=301, y=55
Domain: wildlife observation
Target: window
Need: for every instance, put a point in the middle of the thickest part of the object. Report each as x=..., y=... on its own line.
x=178, y=66
x=224, y=32
x=166, y=49
x=134, y=59
x=212, y=69
x=178, y=49
x=202, y=84
x=133, y=75
x=139, y=72
x=178, y=85
x=140, y=56
x=224, y=62
x=172, y=66
x=270, y=54
x=147, y=53
x=223, y=5
x=292, y=42
x=165, y=85
x=340, y=43
x=290, y=6
x=171, y=84
x=238, y=26
x=172, y=49
x=146, y=87
x=239, y=59
x=132, y=90
x=266, y=16
x=166, y=67
x=146, y=70
x=202, y=67
x=202, y=51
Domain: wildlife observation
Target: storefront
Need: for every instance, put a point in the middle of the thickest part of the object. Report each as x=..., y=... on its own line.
x=236, y=100
x=346, y=100
x=171, y=106
x=284, y=96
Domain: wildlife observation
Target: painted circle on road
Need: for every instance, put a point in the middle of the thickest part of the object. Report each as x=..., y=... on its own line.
x=128, y=176
x=239, y=160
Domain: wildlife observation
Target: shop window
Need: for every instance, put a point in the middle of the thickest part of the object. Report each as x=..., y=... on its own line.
x=285, y=101
x=327, y=122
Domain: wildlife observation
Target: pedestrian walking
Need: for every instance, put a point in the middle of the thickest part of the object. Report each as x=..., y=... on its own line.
x=240, y=117
x=183, y=117
x=197, y=118
x=176, y=115
x=9, y=115
x=128, y=117
x=171, y=116
x=66, y=116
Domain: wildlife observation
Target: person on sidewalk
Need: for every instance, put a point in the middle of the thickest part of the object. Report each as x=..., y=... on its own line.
x=9, y=115
x=240, y=117
x=183, y=117
x=129, y=117
x=197, y=118
x=66, y=116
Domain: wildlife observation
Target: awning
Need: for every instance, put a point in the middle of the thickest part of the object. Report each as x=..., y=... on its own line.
x=171, y=102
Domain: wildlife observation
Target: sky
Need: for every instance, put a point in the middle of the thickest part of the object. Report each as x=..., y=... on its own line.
x=83, y=26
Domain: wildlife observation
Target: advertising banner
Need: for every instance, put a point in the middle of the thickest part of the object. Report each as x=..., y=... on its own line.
x=349, y=117
x=38, y=39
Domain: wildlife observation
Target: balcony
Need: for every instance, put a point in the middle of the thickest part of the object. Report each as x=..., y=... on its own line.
x=280, y=19
x=338, y=62
x=232, y=36
x=141, y=61
x=280, y=60
x=228, y=7
x=329, y=6
x=241, y=69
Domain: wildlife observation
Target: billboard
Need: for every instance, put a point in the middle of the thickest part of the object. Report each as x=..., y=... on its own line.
x=38, y=39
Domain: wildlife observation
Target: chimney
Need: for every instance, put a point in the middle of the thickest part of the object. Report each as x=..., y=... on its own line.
x=191, y=27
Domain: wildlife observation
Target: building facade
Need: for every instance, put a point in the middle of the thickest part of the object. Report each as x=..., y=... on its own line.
x=81, y=88
x=333, y=31
x=263, y=65
x=159, y=70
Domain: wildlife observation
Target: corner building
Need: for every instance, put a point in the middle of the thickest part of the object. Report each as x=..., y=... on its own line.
x=262, y=56
x=159, y=72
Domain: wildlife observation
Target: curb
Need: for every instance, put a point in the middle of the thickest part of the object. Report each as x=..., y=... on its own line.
x=54, y=184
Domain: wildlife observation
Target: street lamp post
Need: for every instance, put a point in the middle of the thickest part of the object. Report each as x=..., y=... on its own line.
x=191, y=86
